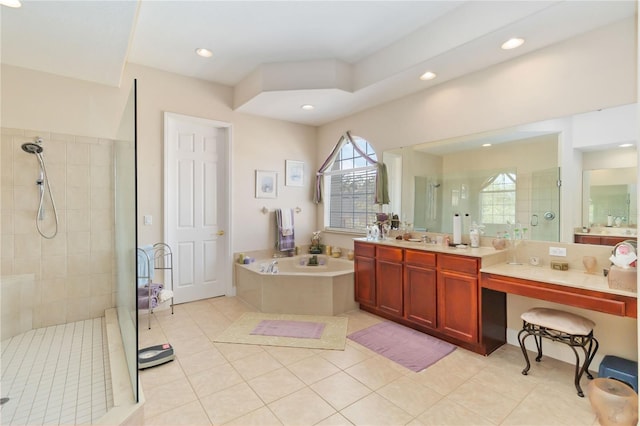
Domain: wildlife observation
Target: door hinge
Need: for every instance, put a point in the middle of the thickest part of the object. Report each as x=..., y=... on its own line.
x=559, y=183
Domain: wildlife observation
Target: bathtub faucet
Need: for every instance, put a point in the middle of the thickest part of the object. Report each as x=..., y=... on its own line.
x=273, y=267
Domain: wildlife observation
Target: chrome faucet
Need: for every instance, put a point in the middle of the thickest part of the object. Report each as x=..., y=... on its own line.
x=272, y=268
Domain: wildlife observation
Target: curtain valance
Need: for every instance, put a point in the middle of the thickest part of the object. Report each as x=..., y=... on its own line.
x=382, y=186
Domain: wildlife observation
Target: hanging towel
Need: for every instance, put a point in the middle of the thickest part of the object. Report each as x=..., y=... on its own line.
x=287, y=222
x=145, y=264
x=284, y=229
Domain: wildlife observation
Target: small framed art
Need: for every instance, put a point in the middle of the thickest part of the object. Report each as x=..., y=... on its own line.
x=266, y=184
x=294, y=173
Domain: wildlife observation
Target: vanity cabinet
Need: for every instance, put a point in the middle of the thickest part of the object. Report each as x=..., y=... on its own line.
x=600, y=240
x=458, y=297
x=420, y=283
x=436, y=293
x=365, y=274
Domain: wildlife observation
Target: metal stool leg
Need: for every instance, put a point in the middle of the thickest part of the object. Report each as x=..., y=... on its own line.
x=521, y=339
x=578, y=370
x=592, y=353
x=538, y=340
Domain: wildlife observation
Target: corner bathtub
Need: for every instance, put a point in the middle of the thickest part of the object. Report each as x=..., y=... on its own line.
x=297, y=288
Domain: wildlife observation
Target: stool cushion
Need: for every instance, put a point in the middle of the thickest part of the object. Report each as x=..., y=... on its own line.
x=559, y=320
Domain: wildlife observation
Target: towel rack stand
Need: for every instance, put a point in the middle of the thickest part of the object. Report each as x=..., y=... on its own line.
x=159, y=257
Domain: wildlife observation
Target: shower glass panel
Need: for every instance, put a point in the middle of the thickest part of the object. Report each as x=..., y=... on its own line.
x=125, y=235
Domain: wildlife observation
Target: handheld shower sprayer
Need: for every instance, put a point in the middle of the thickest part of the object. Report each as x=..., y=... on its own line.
x=36, y=148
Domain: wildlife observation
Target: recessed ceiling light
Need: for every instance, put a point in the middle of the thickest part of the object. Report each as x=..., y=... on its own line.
x=429, y=75
x=10, y=3
x=307, y=107
x=512, y=43
x=486, y=144
x=625, y=145
x=205, y=53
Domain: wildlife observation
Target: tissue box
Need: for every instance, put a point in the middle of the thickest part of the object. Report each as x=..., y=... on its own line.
x=623, y=278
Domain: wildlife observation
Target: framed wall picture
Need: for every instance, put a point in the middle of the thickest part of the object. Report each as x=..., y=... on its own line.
x=266, y=184
x=294, y=173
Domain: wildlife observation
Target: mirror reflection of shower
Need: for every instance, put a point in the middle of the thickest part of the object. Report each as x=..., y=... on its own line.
x=44, y=187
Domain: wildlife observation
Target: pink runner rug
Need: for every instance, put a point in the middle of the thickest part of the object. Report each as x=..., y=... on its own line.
x=283, y=328
x=409, y=348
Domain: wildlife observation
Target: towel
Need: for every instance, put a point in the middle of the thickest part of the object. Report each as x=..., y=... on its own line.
x=155, y=290
x=165, y=295
x=143, y=302
x=145, y=264
x=287, y=222
x=285, y=235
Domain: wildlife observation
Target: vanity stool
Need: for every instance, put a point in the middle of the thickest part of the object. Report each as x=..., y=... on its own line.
x=560, y=326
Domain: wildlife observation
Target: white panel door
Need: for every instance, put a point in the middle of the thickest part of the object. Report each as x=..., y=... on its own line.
x=196, y=181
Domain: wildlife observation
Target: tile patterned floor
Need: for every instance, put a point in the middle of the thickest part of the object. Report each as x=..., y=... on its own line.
x=225, y=384
x=56, y=375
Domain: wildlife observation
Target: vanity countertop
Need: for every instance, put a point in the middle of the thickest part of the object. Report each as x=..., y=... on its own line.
x=571, y=278
x=485, y=253
x=609, y=231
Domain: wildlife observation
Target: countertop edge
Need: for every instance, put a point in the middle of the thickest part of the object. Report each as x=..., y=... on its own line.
x=571, y=278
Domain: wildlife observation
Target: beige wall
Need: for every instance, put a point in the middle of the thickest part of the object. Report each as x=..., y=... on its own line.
x=73, y=272
x=67, y=111
x=48, y=103
x=558, y=81
x=257, y=144
x=561, y=80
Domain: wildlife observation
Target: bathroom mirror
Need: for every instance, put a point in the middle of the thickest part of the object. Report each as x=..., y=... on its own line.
x=610, y=197
x=541, y=155
x=513, y=180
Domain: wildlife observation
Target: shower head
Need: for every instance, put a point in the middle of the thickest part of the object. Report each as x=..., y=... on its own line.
x=32, y=148
x=435, y=185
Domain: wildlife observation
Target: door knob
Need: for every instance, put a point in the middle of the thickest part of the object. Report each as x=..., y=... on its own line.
x=220, y=232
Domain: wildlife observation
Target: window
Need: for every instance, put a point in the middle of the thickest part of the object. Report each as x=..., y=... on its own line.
x=350, y=185
x=498, y=199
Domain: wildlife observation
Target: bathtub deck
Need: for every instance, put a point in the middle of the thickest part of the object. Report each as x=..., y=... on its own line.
x=297, y=293
x=56, y=375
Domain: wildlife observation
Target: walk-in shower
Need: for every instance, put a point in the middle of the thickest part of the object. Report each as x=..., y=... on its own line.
x=44, y=188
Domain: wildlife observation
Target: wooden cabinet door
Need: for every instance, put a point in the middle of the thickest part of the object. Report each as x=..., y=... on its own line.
x=420, y=301
x=365, y=274
x=458, y=305
x=365, y=280
x=389, y=280
x=389, y=287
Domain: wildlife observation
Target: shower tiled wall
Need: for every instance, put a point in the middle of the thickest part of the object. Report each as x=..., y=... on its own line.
x=73, y=271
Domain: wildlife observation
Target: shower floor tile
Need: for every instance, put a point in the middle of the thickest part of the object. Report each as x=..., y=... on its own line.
x=56, y=375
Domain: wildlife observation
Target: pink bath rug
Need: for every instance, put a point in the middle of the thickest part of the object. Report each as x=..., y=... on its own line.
x=283, y=328
x=410, y=348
